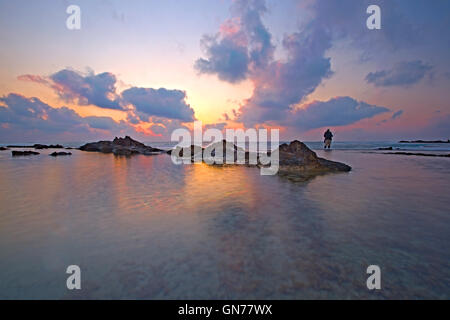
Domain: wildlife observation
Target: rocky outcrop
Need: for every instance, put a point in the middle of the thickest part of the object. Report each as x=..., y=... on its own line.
x=425, y=141
x=23, y=153
x=57, y=154
x=120, y=146
x=39, y=146
x=419, y=154
x=385, y=148
x=3, y=148
x=296, y=160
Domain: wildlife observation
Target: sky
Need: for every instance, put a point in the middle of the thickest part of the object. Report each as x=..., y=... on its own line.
x=145, y=68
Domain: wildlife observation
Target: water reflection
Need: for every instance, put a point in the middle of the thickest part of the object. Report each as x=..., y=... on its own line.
x=141, y=227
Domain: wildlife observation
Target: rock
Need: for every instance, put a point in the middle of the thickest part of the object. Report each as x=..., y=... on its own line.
x=425, y=141
x=3, y=148
x=39, y=146
x=23, y=153
x=120, y=146
x=180, y=152
x=296, y=160
x=387, y=148
x=419, y=154
x=52, y=146
x=56, y=154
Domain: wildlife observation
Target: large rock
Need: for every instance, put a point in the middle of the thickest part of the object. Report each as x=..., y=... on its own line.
x=299, y=162
x=39, y=146
x=296, y=160
x=57, y=154
x=120, y=146
x=24, y=153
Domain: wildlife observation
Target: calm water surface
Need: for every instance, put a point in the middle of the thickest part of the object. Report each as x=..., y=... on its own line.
x=142, y=227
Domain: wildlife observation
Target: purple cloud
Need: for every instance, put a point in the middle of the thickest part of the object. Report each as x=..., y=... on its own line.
x=242, y=46
x=339, y=111
x=159, y=102
x=403, y=74
x=100, y=90
x=95, y=89
x=28, y=117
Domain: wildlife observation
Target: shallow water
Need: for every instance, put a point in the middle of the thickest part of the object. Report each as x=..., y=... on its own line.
x=142, y=227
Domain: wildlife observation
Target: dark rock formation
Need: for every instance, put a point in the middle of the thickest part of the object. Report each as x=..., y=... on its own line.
x=52, y=146
x=56, y=154
x=387, y=148
x=425, y=141
x=419, y=154
x=39, y=146
x=3, y=148
x=120, y=146
x=296, y=160
x=23, y=153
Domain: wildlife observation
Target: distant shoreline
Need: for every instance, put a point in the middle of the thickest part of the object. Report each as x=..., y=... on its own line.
x=424, y=141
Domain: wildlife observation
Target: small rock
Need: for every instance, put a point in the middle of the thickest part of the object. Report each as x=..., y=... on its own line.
x=23, y=153
x=56, y=154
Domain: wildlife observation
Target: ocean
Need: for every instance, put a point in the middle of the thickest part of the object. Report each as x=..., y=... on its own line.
x=144, y=228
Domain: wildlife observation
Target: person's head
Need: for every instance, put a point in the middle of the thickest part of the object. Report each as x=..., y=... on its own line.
x=328, y=129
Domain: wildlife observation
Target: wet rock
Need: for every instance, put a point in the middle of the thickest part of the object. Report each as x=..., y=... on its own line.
x=3, y=148
x=419, y=154
x=120, y=146
x=295, y=159
x=39, y=146
x=387, y=148
x=425, y=141
x=23, y=153
x=57, y=154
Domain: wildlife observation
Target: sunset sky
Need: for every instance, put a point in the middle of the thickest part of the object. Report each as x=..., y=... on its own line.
x=144, y=68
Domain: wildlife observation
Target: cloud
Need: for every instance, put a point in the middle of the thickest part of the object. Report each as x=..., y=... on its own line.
x=30, y=117
x=397, y=114
x=403, y=74
x=339, y=111
x=100, y=90
x=95, y=89
x=405, y=24
x=284, y=84
x=242, y=45
x=159, y=102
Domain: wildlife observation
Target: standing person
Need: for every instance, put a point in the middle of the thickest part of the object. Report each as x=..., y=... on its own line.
x=328, y=137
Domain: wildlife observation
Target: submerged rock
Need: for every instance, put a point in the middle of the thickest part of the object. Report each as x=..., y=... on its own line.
x=39, y=146
x=120, y=146
x=23, y=153
x=56, y=154
x=386, y=148
x=420, y=154
x=425, y=141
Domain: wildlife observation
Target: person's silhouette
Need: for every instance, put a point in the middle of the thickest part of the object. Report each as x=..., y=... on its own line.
x=328, y=137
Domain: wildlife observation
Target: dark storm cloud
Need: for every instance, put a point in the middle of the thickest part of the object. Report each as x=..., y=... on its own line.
x=403, y=74
x=100, y=90
x=338, y=111
x=95, y=89
x=397, y=114
x=32, y=115
x=159, y=102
